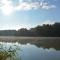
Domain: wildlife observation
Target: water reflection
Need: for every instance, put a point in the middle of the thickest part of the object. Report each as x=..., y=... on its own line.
x=32, y=52
x=45, y=42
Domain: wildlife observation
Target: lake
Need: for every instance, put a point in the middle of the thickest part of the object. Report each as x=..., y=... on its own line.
x=32, y=48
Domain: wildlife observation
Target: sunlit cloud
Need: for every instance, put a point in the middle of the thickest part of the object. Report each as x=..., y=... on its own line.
x=7, y=7
x=47, y=6
x=35, y=5
x=48, y=22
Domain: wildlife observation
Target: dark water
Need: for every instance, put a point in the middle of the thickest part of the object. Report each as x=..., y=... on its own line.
x=32, y=52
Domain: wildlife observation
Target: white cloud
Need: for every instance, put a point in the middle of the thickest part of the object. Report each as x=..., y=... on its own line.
x=27, y=6
x=6, y=6
x=48, y=22
x=34, y=5
x=47, y=6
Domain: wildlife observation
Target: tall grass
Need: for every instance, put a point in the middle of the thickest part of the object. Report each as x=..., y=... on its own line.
x=8, y=54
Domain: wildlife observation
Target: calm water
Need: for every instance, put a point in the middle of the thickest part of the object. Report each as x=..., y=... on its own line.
x=32, y=52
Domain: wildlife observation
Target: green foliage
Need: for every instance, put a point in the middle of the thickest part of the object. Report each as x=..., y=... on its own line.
x=44, y=30
x=8, y=54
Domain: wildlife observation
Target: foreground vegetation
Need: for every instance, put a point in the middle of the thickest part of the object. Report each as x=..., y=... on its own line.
x=44, y=30
x=7, y=53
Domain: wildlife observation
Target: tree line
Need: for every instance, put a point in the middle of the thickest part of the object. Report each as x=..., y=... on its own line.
x=46, y=30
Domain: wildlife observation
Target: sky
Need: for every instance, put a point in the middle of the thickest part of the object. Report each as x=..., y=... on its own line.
x=16, y=14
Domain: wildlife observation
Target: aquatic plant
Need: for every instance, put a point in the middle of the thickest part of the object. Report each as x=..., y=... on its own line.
x=8, y=54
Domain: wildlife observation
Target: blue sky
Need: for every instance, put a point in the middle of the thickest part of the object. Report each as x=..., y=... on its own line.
x=16, y=14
